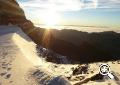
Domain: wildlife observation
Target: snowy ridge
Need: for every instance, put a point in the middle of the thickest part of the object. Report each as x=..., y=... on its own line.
x=13, y=42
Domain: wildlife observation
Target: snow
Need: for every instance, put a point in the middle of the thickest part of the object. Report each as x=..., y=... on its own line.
x=18, y=58
x=21, y=65
x=11, y=59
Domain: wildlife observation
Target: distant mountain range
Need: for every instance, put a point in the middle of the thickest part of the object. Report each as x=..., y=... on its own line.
x=80, y=46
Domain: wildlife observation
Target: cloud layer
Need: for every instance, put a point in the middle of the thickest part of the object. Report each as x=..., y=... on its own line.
x=69, y=5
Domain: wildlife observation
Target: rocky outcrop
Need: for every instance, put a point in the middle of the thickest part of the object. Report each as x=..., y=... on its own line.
x=11, y=13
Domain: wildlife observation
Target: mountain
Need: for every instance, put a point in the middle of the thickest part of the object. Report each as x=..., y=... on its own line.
x=21, y=64
x=80, y=46
x=11, y=13
x=77, y=45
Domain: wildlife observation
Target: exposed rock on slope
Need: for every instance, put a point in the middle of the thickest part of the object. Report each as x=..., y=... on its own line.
x=10, y=12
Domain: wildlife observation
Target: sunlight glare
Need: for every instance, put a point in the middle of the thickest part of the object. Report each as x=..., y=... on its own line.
x=50, y=18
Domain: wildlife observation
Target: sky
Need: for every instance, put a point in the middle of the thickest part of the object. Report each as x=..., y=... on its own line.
x=73, y=12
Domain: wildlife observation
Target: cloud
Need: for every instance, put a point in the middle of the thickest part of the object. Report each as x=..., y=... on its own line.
x=109, y=3
x=69, y=5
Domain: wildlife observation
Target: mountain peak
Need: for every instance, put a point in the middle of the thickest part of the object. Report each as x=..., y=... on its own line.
x=10, y=12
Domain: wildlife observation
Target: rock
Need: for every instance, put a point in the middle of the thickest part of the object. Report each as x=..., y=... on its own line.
x=27, y=26
x=59, y=80
x=36, y=72
x=97, y=77
x=80, y=70
x=12, y=14
x=80, y=77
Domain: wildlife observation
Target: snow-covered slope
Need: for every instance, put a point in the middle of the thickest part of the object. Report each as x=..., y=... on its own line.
x=13, y=63
x=21, y=65
x=19, y=60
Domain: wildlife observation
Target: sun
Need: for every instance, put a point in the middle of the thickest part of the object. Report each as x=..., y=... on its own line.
x=50, y=18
